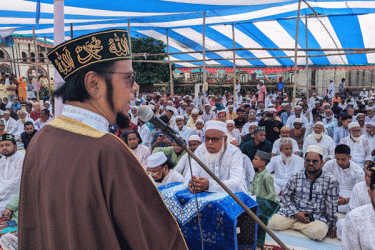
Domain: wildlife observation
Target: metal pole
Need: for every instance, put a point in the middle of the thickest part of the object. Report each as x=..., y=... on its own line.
x=307, y=59
x=234, y=65
x=295, y=54
x=204, y=53
x=48, y=78
x=59, y=37
x=71, y=30
x=19, y=56
x=170, y=67
x=36, y=63
x=130, y=45
x=14, y=63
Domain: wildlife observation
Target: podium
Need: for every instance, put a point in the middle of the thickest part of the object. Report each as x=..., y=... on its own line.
x=225, y=225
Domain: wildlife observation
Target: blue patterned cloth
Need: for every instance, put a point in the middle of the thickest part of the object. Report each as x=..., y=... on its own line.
x=219, y=214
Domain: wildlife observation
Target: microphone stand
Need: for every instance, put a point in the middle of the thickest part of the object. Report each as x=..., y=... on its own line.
x=182, y=144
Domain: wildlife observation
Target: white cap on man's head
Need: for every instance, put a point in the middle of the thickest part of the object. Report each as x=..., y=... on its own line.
x=195, y=112
x=353, y=125
x=314, y=149
x=156, y=159
x=230, y=122
x=217, y=125
x=194, y=138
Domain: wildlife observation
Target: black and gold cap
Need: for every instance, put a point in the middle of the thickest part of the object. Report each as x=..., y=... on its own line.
x=76, y=54
x=8, y=137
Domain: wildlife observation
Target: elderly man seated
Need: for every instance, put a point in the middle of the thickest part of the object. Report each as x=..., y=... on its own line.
x=134, y=141
x=19, y=127
x=223, y=159
x=359, y=146
x=160, y=169
x=318, y=138
x=183, y=165
x=199, y=129
x=284, y=165
x=310, y=200
x=284, y=133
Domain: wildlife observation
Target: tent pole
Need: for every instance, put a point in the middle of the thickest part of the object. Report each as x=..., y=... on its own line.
x=204, y=54
x=48, y=78
x=19, y=56
x=71, y=30
x=307, y=59
x=130, y=45
x=36, y=62
x=296, y=53
x=170, y=67
x=59, y=37
x=234, y=66
x=14, y=63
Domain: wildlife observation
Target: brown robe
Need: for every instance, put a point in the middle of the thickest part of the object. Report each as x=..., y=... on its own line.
x=298, y=136
x=84, y=189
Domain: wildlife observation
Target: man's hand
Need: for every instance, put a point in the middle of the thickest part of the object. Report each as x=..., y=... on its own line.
x=166, y=140
x=7, y=214
x=201, y=184
x=342, y=201
x=331, y=234
x=276, y=129
x=301, y=217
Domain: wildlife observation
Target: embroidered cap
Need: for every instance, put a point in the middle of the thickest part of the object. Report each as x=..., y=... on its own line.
x=314, y=149
x=259, y=129
x=263, y=155
x=76, y=54
x=8, y=137
x=194, y=138
x=156, y=159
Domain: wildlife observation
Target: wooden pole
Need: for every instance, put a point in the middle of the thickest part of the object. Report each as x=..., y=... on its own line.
x=59, y=37
x=296, y=54
x=19, y=56
x=170, y=67
x=14, y=64
x=48, y=78
x=204, y=53
x=36, y=63
x=307, y=57
x=234, y=65
x=130, y=45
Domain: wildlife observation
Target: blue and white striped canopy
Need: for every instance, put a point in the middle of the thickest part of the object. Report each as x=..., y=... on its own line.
x=257, y=24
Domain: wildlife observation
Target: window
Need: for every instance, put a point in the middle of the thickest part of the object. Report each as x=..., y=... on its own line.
x=41, y=57
x=24, y=56
x=2, y=54
x=32, y=57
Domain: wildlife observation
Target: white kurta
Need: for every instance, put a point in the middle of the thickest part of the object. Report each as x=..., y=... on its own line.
x=9, y=125
x=290, y=121
x=371, y=140
x=310, y=129
x=171, y=177
x=282, y=171
x=359, y=228
x=326, y=143
x=249, y=171
x=145, y=134
x=360, y=151
x=235, y=133
x=19, y=128
x=10, y=178
x=276, y=146
x=142, y=153
x=185, y=133
x=134, y=119
x=39, y=124
x=229, y=168
x=359, y=196
x=182, y=166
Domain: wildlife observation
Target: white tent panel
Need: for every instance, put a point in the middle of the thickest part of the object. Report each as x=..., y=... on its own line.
x=368, y=33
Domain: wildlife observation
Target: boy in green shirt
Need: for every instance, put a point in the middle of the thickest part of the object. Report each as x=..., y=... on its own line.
x=262, y=185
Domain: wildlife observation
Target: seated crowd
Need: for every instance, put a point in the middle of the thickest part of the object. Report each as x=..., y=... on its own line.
x=313, y=157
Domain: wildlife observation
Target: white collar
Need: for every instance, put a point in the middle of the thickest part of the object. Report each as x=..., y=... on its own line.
x=87, y=117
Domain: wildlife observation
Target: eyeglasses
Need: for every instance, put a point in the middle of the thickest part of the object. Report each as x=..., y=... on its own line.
x=154, y=172
x=315, y=162
x=213, y=139
x=131, y=79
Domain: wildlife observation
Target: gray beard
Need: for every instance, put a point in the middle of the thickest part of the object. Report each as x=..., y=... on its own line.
x=216, y=156
x=287, y=160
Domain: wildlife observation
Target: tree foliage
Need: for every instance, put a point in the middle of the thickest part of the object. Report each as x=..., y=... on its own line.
x=147, y=73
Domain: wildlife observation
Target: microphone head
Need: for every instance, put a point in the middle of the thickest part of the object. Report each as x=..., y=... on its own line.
x=145, y=113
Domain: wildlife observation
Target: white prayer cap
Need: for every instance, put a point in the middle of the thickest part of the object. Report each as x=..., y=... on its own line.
x=371, y=123
x=47, y=102
x=254, y=124
x=360, y=114
x=366, y=99
x=230, y=100
x=364, y=88
x=298, y=120
x=314, y=149
x=199, y=120
x=314, y=93
x=152, y=102
x=353, y=125
x=6, y=112
x=369, y=108
x=326, y=104
x=207, y=104
x=195, y=112
x=284, y=104
x=298, y=107
x=248, y=99
x=181, y=102
x=299, y=104
x=217, y=125
x=138, y=100
x=230, y=106
x=262, y=81
x=331, y=80
x=318, y=123
x=351, y=103
x=169, y=108
x=317, y=102
x=213, y=108
x=134, y=107
x=194, y=138
x=179, y=117
x=9, y=105
x=320, y=98
x=285, y=94
x=271, y=110
x=156, y=159
x=230, y=122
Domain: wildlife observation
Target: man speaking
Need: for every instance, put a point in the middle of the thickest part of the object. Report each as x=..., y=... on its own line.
x=82, y=187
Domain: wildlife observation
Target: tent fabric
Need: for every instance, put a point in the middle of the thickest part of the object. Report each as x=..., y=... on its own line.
x=257, y=24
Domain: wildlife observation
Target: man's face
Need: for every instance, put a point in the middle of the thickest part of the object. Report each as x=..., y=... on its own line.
x=134, y=111
x=370, y=129
x=287, y=149
x=214, y=140
x=177, y=148
x=253, y=103
x=169, y=113
x=180, y=123
x=318, y=129
x=297, y=111
x=351, y=111
x=343, y=160
x=251, y=129
x=199, y=125
x=288, y=108
x=43, y=115
x=158, y=173
x=261, y=105
x=133, y=141
x=6, y=116
x=193, y=145
x=29, y=129
x=240, y=114
x=367, y=177
x=207, y=109
x=313, y=163
x=329, y=113
x=230, y=127
x=361, y=119
x=345, y=123
x=285, y=133
x=7, y=148
x=297, y=125
x=370, y=112
x=230, y=109
x=260, y=136
x=355, y=132
x=194, y=116
x=221, y=117
x=22, y=115
x=257, y=162
x=252, y=118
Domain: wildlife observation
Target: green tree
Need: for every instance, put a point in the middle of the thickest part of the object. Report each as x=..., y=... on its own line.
x=149, y=73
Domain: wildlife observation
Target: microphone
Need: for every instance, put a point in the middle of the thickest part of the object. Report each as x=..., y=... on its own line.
x=145, y=114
